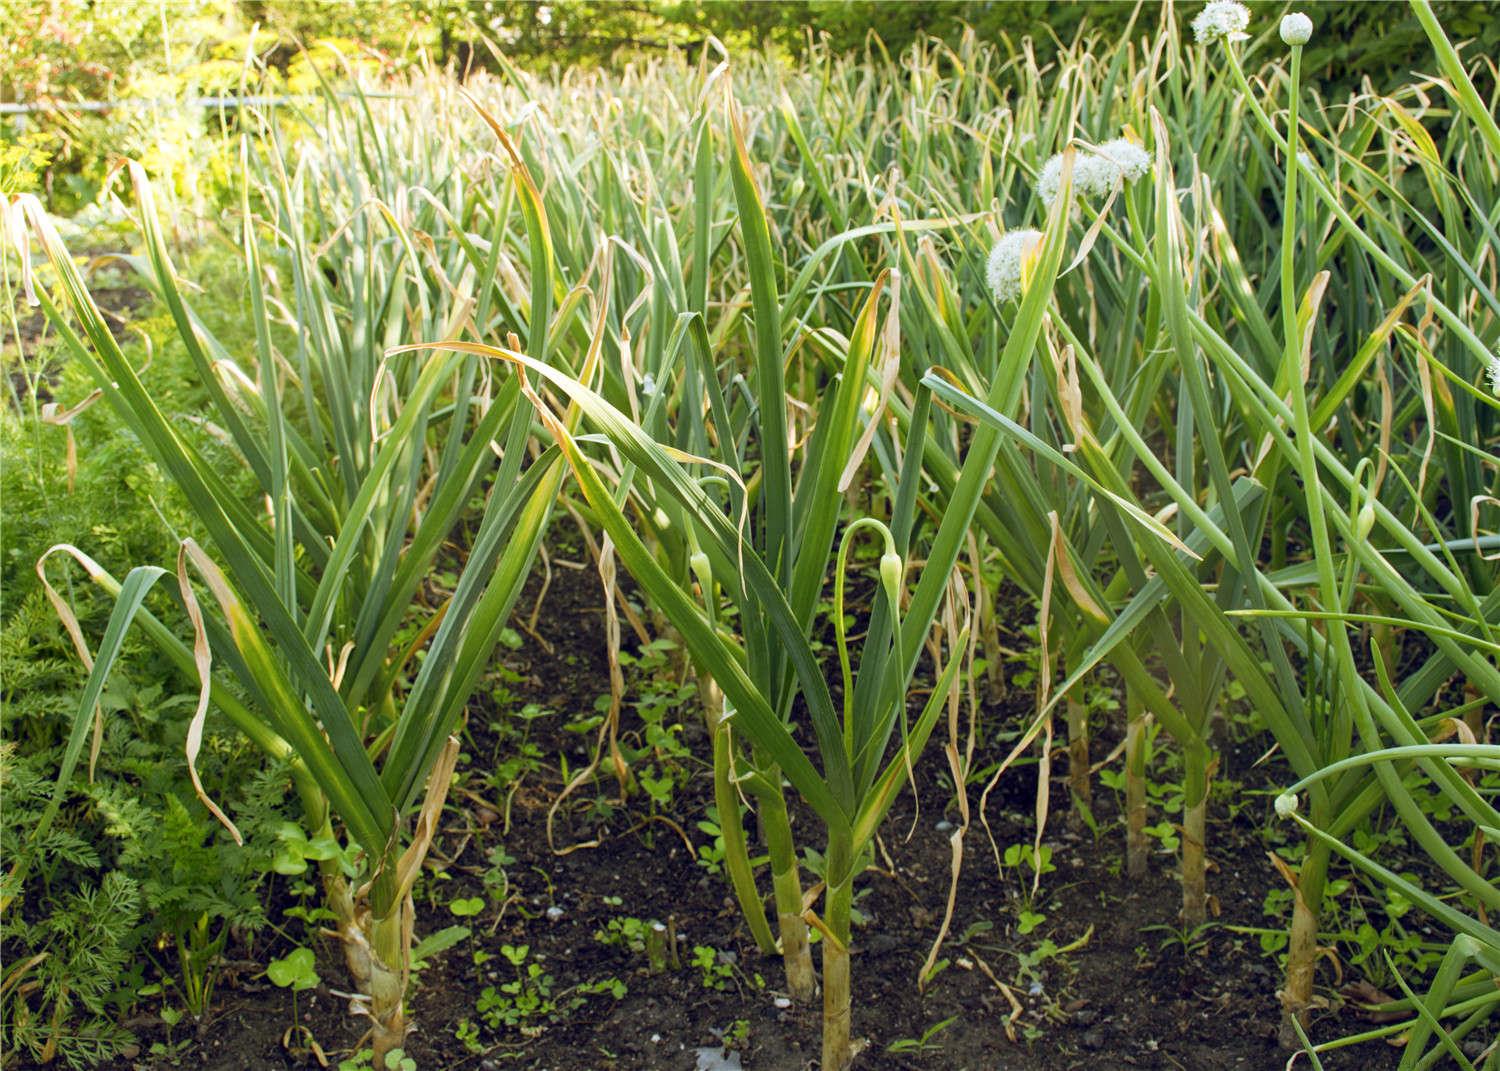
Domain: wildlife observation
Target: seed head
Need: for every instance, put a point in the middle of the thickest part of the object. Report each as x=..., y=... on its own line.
x=1007, y=260
x=1221, y=18
x=1296, y=28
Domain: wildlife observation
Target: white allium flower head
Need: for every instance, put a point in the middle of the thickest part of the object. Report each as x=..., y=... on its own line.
x=1220, y=18
x=1006, y=261
x=1096, y=172
x=1286, y=805
x=1493, y=371
x=1093, y=175
x=1296, y=28
x=1132, y=160
x=1049, y=179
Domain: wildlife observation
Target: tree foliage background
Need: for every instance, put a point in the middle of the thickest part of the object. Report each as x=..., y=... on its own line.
x=96, y=48
x=54, y=51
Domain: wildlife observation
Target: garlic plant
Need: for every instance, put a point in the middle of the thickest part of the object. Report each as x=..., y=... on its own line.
x=366, y=462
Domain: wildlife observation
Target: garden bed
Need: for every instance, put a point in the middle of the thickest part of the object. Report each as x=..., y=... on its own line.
x=1147, y=384
x=1133, y=992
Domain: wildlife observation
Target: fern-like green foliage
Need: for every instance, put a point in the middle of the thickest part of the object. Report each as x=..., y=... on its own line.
x=71, y=976
x=135, y=882
x=196, y=871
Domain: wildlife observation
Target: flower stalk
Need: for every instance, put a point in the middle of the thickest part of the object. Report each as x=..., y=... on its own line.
x=1135, y=785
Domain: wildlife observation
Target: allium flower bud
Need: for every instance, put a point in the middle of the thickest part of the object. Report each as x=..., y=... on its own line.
x=1296, y=28
x=1220, y=18
x=1493, y=371
x=891, y=570
x=1006, y=261
x=1286, y=805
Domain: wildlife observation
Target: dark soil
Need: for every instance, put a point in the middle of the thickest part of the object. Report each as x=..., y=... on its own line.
x=1124, y=996
x=117, y=297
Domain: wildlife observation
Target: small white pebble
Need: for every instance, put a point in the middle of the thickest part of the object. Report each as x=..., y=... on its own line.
x=554, y=913
x=782, y=1002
